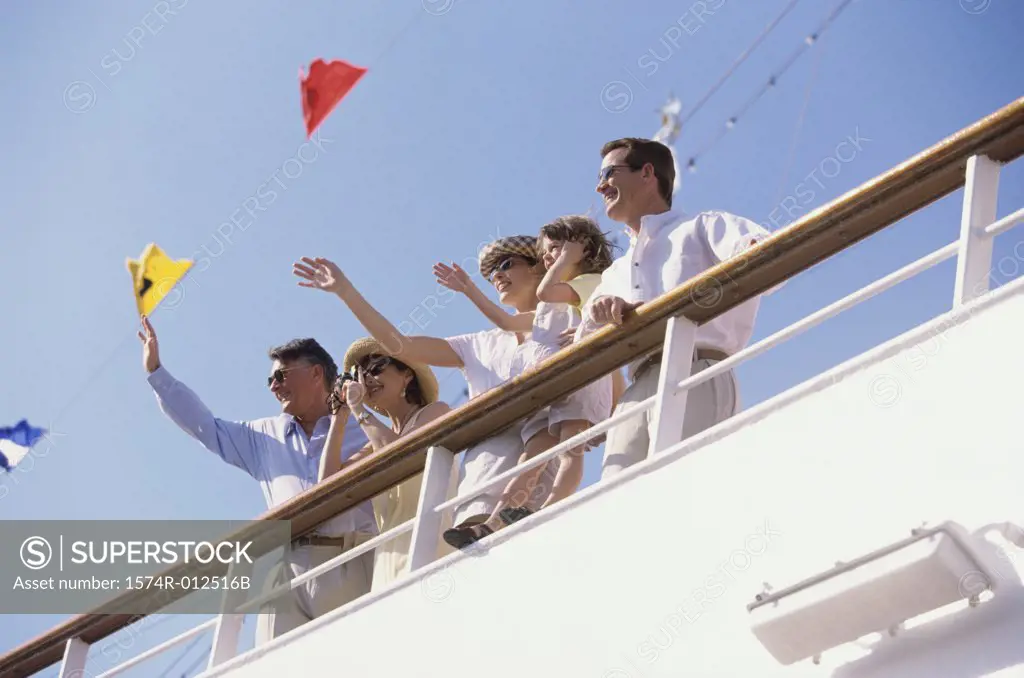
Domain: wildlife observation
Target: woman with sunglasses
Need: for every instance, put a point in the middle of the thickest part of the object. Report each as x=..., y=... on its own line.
x=574, y=252
x=487, y=359
x=406, y=394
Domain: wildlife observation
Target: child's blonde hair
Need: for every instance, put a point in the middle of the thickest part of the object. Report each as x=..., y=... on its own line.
x=582, y=229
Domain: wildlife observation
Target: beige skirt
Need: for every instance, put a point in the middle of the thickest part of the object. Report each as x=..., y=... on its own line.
x=391, y=509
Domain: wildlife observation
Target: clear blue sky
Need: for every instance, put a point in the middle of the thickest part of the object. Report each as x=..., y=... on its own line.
x=483, y=120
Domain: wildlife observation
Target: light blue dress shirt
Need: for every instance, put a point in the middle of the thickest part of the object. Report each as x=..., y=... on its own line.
x=275, y=451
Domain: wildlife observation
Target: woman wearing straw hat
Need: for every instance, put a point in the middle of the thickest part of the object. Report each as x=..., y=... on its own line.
x=487, y=359
x=406, y=394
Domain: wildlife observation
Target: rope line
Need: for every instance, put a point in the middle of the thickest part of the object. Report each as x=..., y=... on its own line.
x=791, y=155
x=738, y=62
x=772, y=81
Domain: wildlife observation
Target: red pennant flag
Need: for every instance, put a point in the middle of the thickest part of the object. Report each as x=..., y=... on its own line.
x=324, y=87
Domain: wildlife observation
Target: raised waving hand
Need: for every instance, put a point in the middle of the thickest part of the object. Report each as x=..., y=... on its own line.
x=321, y=274
x=150, y=346
x=453, y=277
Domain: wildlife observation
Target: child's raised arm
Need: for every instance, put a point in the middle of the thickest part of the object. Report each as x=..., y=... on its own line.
x=456, y=279
x=553, y=288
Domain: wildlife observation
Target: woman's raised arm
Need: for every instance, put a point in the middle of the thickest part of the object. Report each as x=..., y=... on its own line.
x=322, y=274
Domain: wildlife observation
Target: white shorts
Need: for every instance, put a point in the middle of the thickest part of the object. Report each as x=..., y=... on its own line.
x=491, y=458
x=592, y=403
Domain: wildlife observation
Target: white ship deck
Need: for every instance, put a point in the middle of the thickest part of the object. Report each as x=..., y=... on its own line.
x=651, y=574
x=657, y=572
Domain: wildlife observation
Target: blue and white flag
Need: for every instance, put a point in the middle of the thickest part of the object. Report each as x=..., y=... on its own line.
x=16, y=442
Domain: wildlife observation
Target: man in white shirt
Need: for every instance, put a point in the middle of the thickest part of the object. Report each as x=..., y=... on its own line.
x=666, y=249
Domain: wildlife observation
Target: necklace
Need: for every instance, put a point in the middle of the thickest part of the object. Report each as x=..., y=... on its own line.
x=408, y=418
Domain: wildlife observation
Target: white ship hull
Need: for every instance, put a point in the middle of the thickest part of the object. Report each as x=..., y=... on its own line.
x=651, y=575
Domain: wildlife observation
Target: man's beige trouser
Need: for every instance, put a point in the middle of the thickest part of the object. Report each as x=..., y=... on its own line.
x=317, y=596
x=706, y=404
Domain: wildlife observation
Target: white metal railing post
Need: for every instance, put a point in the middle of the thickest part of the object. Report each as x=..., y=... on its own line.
x=426, y=531
x=75, y=654
x=670, y=401
x=974, y=259
x=229, y=623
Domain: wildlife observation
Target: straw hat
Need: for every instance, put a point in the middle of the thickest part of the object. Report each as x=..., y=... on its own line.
x=514, y=246
x=370, y=346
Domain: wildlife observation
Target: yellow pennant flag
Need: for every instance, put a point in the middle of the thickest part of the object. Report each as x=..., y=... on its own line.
x=154, y=274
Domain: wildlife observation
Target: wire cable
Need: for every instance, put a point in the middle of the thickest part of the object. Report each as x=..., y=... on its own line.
x=738, y=62
x=791, y=155
x=730, y=123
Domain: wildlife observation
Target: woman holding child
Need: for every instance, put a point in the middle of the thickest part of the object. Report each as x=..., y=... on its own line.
x=543, y=285
x=574, y=252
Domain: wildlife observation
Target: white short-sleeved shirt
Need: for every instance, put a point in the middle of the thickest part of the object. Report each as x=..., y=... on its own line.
x=551, y=319
x=670, y=249
x=492, y=357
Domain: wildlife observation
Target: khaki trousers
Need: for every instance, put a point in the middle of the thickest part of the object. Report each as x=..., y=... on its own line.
x=317, y=596
x=709, y=403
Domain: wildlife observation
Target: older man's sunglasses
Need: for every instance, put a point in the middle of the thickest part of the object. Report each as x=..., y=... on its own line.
x=281, y=373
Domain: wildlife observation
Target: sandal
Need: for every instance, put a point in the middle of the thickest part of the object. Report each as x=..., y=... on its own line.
x=461, y=537
x=512, y=515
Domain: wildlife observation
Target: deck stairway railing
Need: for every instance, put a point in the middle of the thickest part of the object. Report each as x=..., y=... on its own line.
x=971, y=158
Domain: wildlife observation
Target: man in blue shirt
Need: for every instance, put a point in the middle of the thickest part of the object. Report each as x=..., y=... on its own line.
x=283, y=454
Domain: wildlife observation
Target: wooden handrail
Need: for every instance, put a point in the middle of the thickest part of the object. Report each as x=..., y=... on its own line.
x=873, y=206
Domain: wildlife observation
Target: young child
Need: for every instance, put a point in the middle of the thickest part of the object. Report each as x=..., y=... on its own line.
x=574, y=252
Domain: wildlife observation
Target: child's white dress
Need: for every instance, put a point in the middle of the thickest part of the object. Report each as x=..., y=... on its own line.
x=593, y=402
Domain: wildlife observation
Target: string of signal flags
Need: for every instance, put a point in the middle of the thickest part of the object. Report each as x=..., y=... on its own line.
x=154, y=274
